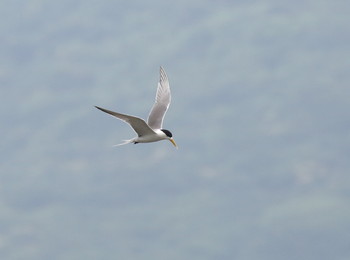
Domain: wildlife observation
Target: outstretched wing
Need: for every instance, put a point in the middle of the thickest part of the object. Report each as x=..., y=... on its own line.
x=138, y=124
x=163, y=98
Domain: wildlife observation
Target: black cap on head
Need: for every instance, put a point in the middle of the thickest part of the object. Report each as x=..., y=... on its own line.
x=167, y=133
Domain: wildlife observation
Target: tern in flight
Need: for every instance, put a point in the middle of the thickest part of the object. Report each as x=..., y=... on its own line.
x=151, y=131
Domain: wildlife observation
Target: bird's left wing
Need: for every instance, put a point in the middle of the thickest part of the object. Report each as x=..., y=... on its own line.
x=138, y=125
x=163, y=98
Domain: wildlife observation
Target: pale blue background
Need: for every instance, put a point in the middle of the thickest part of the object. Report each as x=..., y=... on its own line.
x=260, y=112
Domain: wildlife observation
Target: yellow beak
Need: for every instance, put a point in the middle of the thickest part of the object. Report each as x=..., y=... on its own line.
x=173, y=142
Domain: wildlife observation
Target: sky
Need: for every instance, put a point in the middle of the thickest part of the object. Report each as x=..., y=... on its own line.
x=260, y=101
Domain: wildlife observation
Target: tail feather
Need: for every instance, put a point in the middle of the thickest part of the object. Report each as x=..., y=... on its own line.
x=125, y=142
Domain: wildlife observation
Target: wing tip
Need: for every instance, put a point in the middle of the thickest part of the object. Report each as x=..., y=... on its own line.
x=161, y=72
x=163, y=75
x=99, y=108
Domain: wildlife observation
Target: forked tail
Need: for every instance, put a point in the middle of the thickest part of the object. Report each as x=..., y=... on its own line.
x=125, y=142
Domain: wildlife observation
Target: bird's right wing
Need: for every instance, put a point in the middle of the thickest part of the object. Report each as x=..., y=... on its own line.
x=162, y=102
x=137, y=124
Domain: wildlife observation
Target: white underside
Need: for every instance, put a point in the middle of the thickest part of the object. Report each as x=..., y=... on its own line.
x=157, y=136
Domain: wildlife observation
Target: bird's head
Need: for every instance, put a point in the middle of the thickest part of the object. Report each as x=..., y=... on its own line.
x=169, y=136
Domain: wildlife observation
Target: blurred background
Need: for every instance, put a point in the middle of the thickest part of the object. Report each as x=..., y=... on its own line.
x=260, y=112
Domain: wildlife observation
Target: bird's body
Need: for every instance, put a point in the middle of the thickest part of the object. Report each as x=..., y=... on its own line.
x=152, y=130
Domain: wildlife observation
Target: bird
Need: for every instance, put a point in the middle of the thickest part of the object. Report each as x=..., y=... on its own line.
x=151, y=131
